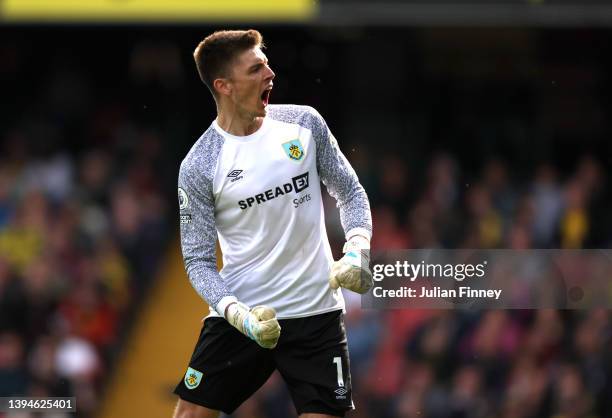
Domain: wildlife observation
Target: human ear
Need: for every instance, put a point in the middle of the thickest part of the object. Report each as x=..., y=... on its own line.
x=223, y=86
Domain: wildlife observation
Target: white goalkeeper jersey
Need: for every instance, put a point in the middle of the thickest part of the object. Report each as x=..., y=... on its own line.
x=260, y=195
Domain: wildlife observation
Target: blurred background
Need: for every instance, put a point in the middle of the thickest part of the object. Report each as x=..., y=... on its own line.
x=470, y=125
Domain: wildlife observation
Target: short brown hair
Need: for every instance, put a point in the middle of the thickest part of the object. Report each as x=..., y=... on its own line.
x=214, y=54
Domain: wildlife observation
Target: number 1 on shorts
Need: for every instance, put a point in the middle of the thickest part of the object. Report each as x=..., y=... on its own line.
x=338, y=362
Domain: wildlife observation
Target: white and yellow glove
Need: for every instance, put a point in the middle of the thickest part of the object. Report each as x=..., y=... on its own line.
x=352, y=271
x=259, y=324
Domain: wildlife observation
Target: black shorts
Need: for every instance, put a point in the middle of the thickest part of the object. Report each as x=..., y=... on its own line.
x=226, y=367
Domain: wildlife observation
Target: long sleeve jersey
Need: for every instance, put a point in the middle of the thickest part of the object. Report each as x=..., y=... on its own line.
x=260, y=196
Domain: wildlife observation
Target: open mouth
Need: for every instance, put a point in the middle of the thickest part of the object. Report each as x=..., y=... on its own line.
x=265, y=96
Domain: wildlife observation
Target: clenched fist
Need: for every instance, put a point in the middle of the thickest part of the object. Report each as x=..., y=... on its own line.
x=259, y=324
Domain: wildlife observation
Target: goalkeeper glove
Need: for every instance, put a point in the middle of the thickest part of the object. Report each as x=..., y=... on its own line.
x=352, y=271
x=259, y=324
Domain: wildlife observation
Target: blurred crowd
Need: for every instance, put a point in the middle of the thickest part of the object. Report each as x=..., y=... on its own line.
x=491, y=209
x=79, y=239
x=83, y=226
x=510, y=364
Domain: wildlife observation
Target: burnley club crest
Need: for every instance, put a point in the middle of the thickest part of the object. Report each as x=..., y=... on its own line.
x=192, y=378
x=294, y=150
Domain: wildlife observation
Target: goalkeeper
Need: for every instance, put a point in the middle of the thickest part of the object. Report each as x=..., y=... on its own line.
x=253, y=181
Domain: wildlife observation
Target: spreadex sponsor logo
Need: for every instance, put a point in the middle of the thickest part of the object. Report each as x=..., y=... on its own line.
x=297, y=184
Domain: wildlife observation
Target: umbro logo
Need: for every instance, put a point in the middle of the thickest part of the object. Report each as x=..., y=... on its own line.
x=235, y=175
x=341, y=391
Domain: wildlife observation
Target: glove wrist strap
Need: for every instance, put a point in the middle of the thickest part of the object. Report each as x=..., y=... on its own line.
x=238, y=315
x=358, y=245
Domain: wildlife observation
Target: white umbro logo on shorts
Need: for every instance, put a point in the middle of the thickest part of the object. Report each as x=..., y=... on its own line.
x=341, y=391
x=235, y=175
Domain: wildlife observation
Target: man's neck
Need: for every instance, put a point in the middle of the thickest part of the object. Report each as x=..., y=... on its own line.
x=233, y=123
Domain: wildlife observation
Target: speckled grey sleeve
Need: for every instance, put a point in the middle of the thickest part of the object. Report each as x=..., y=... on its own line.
x=335, y=171
x=197, y=217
